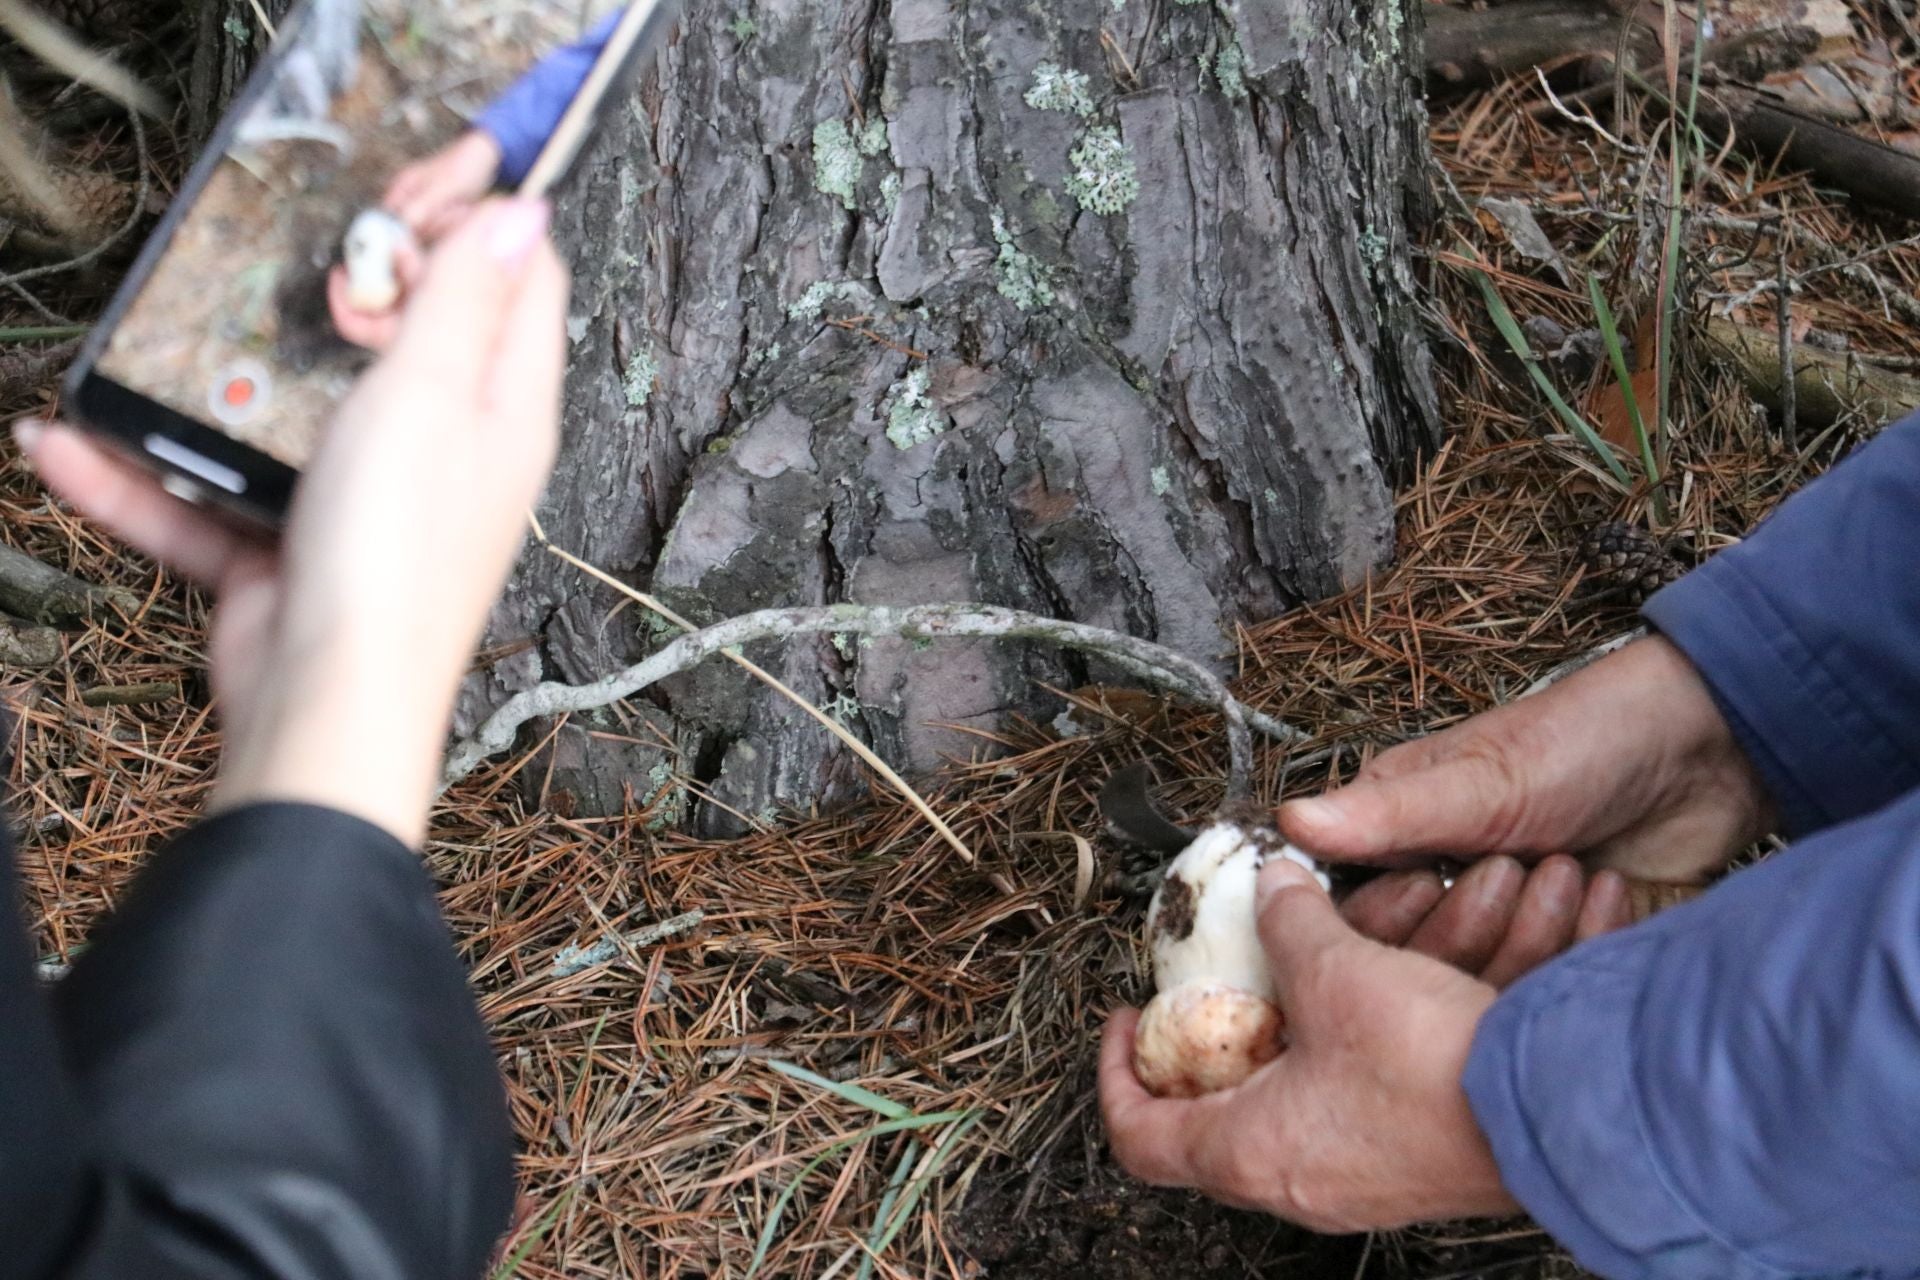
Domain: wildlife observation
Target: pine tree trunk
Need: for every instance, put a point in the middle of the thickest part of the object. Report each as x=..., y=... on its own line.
x=864, y=311
x=228, y=40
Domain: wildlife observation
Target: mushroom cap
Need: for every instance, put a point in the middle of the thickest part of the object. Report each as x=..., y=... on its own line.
x=1202, y=925
x=1201, y=1037
x=373, y=240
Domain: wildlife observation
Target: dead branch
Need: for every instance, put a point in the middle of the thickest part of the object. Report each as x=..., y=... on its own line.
x=1473, y=48
x=40, y=593
x=1871, y=172
x=143, y=694
x=1469, y=49
x=574, y=959
x=1155, y=663
x=1826, y=386
x=24, y=645
x=24, y=371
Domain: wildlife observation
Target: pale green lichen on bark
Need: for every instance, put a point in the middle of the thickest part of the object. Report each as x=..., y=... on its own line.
x=743, y=27
x=912, y=417
x=1103, y=179
x=890, y=192
x=873, y=137
x=837, y=162
x=642, y=369
x=667, y=794
x=1020, y=278
x=1230, y=70
x=1162, y=482
x=1373, y=248
x=810, y=305
x=1057, y=88
x=1384, y=36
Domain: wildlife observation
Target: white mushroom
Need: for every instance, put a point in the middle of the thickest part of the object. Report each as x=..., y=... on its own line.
x=374, y=242
x=1214, y=1022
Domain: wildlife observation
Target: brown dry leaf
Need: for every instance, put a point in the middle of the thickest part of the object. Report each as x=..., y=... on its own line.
x=1608, y=406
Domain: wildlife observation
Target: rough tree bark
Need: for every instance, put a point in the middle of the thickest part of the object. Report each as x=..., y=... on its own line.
x=1164, y=404
x=227, y=42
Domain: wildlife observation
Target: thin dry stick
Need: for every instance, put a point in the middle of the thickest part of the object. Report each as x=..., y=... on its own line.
x=58, y=48
x=266, y=23
x=458, y=765
x=1783, y=310
x=567, y=136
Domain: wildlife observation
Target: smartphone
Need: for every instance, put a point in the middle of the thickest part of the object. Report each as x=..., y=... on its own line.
x=220, y=360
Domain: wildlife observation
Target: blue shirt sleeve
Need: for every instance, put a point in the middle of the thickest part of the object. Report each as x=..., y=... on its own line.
x=1808, y=633
x=1729, y=1090
x=524, y=117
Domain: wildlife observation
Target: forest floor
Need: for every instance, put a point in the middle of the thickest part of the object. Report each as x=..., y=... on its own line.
x=686, y=1103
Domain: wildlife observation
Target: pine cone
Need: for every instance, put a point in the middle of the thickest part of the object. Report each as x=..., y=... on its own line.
x=1626, y=560
x=96, y=203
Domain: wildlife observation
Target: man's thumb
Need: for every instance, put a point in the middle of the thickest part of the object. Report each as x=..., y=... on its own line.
x=1453, y=806
x=1298, y=922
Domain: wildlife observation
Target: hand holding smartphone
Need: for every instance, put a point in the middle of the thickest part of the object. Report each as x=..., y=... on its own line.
x=370, y=130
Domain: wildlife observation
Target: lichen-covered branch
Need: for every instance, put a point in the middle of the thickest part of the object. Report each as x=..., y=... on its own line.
x=40, y=593
x=1152, y=662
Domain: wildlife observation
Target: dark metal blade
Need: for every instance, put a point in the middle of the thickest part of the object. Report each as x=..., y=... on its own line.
x=1126, y=801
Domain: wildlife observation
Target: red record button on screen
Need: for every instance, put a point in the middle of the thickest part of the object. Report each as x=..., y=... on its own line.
x=239, y=392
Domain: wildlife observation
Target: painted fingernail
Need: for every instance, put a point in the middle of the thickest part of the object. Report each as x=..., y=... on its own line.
x=27, y=433
x=517, y=227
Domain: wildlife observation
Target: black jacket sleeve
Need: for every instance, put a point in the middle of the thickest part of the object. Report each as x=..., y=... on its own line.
x=267, y=1064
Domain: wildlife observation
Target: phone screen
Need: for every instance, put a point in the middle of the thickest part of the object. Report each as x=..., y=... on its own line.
x=238, y=323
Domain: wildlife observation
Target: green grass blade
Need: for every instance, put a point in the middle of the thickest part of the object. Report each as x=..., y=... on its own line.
x=510, y=1265
x=911, y=1196
x=42, y=333
x=586, y=1062
x=770, y=1230
x=1680, y=149
x=1583, y=431
x=846, y=1092
x=881, y=1215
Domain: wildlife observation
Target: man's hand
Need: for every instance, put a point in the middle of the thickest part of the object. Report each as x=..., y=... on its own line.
x=1362, y=1121
x=337, y=652
x=374, y=330
x=436, y=194
x=432, y=196
x=1627, y=764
